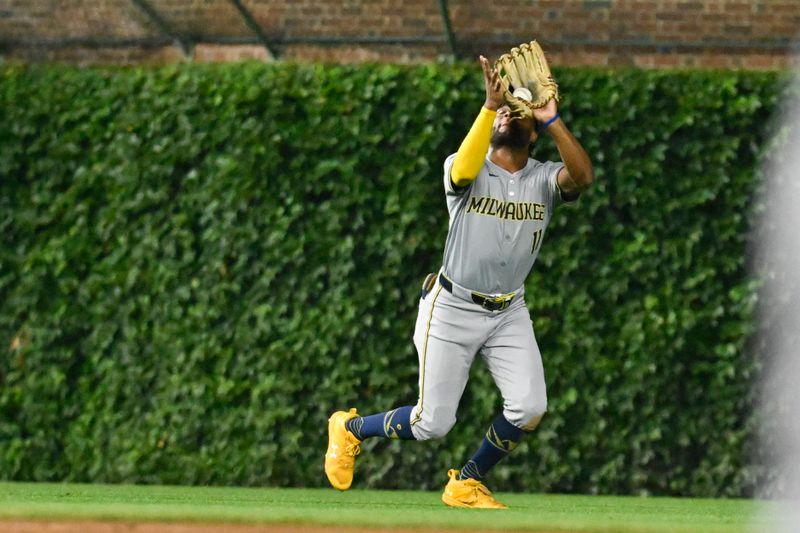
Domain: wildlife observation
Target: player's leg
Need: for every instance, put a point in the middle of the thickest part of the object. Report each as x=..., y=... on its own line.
x=513, y=358
x=447, y=336
x=346, y=431
x=393, y=424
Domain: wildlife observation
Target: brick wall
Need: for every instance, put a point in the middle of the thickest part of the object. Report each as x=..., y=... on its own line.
x=645, y=33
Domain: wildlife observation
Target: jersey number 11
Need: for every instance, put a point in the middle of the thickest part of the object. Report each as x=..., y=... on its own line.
x=537, y=240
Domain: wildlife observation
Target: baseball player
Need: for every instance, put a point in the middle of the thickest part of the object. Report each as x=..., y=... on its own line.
x=500, y=202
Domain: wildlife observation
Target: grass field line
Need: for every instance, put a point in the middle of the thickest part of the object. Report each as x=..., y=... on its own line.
x=379, y=509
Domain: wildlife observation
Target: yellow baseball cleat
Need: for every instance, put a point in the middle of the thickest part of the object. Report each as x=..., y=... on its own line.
x=343, y=446
x=469, y=493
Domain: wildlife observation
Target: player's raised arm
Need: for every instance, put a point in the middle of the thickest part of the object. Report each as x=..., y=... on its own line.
x=577, y=173
x=471, y=153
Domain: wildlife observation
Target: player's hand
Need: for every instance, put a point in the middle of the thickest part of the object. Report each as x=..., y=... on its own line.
x=494, y=88
x=545, y=113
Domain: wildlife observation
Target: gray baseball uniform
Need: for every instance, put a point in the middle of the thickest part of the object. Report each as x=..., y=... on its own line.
x=497, y=224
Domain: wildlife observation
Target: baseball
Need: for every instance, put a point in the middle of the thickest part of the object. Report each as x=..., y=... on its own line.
x=523, y=94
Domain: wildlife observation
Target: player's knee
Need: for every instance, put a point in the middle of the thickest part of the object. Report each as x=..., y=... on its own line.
x=437, y=432
x=435, y=426
x=533, y=412
x=528, y=413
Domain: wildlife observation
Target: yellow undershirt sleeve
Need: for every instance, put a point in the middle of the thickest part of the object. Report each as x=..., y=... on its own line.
x=472, y=152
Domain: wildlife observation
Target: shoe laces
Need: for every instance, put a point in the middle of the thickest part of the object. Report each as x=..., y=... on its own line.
x=480, y=487
x=352, y=449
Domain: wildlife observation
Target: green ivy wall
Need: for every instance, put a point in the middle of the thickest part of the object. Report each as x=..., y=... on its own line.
x=199, y=263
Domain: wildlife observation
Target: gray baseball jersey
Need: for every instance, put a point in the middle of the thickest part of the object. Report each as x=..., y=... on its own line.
x=497, y=224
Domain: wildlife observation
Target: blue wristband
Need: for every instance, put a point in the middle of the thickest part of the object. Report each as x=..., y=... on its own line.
x=544, y=126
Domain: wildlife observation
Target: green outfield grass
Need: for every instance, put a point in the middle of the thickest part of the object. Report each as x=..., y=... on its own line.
x=397, y=509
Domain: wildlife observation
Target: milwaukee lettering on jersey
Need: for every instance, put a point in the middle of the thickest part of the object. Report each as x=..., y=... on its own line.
x=484, y=205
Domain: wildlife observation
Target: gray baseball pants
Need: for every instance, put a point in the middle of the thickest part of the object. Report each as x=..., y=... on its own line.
x=449, y=332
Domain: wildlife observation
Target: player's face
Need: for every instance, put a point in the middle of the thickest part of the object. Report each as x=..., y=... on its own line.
x=512, y=132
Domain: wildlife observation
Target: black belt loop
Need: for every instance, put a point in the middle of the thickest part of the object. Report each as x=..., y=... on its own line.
x=444, y=282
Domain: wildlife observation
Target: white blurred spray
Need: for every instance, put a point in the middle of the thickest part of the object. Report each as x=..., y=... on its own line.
x=779, y=259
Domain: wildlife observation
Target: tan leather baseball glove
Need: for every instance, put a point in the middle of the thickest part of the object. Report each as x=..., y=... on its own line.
x=526, y=78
